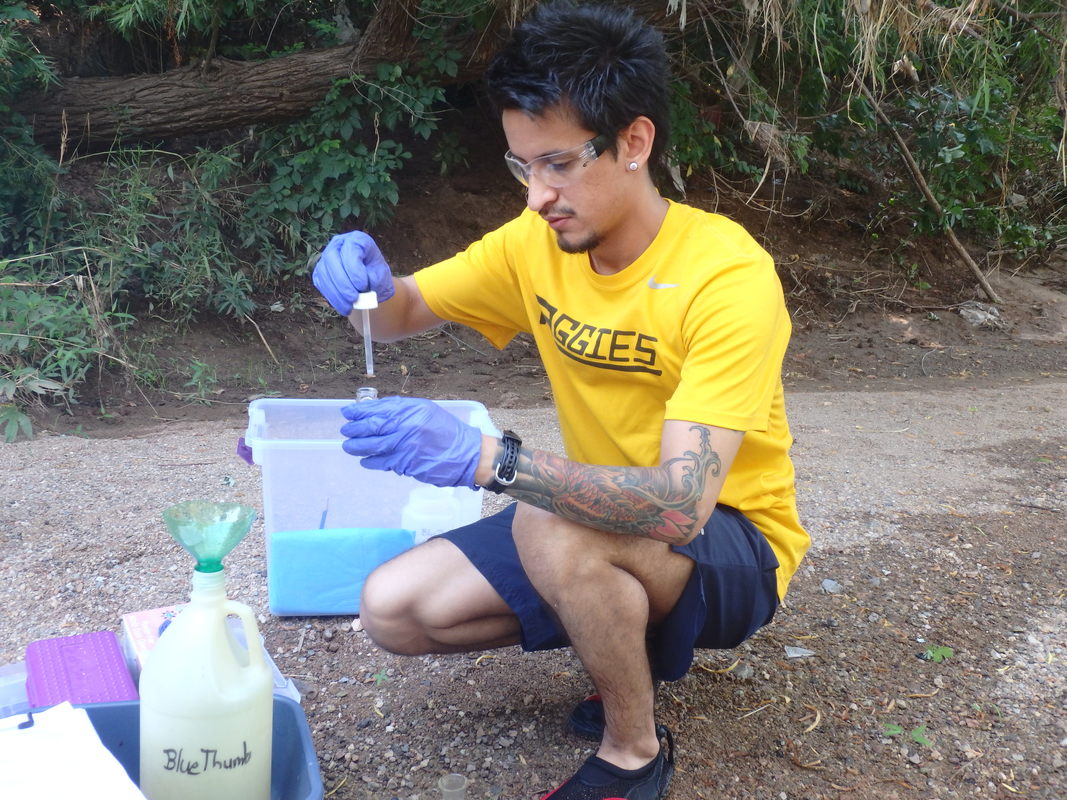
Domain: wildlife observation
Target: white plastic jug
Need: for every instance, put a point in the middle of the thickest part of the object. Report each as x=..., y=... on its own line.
x=207, y=704
x=428, y=512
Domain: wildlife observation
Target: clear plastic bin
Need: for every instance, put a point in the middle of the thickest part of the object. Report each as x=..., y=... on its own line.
x=329, y=521
x=310, y=483
x=13, y=696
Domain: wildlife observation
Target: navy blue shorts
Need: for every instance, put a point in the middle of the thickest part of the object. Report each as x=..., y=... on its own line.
x=732, y=593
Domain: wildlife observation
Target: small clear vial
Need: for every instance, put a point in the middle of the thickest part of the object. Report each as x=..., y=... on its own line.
x=453, y=787
x=366, y=393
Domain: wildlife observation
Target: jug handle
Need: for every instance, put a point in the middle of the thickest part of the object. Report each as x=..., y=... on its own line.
x=244, y=613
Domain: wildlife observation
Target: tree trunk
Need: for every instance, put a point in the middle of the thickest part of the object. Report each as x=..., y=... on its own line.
x=99, y=111
x=86, y=112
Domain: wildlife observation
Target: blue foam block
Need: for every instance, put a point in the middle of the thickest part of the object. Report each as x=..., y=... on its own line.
x=322, y=571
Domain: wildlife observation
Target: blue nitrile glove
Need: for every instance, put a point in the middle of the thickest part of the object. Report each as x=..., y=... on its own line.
x=350, y=265
x=415, y=437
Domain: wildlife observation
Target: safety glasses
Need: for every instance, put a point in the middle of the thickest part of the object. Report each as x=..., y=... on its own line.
x=561, y=169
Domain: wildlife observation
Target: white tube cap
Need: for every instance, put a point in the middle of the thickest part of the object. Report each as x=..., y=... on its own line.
x=365, y=300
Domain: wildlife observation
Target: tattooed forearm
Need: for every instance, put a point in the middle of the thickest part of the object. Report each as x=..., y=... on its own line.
x=658, y=502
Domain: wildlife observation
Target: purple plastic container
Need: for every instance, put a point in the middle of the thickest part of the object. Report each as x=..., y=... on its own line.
x=86, y=668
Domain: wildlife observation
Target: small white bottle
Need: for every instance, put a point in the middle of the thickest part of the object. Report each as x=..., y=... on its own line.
x=429, y=511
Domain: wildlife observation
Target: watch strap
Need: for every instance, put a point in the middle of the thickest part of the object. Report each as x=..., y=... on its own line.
x=505, y=466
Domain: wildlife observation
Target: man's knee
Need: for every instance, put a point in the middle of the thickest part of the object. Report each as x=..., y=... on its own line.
x=387, y=611
x=431, y=599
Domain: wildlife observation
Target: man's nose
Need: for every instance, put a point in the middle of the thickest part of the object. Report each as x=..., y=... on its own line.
x=538, y=193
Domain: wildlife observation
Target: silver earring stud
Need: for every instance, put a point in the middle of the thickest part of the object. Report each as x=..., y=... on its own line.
x=632, y=166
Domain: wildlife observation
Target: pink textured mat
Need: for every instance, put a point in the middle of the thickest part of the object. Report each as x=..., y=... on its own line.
x=86, y=668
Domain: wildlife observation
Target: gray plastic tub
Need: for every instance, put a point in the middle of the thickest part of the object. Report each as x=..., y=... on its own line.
x=294, y=767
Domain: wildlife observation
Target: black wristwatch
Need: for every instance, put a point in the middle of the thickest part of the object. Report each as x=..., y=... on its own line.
x=505, y=467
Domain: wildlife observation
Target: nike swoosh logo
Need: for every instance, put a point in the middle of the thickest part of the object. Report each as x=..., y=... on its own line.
x=653, y=285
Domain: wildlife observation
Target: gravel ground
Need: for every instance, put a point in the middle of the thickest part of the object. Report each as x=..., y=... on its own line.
x=937, y=514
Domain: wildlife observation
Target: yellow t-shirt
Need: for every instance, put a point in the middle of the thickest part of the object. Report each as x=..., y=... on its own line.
x=695, y=329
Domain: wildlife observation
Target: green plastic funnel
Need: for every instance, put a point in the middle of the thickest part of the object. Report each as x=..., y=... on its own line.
x=208, y=531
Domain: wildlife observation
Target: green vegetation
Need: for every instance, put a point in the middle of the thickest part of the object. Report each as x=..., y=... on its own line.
x=916, y=734
x=938, y=654
x=838, y=89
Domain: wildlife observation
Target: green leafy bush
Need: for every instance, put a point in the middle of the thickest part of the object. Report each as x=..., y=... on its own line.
x=980, y=157
x=31, y=207
x=339, y=164
x=972, y=93
x=27, y=175
x=49, y=340
x=21, y=64
x=161, y=230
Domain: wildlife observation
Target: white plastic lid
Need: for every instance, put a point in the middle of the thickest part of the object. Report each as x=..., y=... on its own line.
x=365, y=300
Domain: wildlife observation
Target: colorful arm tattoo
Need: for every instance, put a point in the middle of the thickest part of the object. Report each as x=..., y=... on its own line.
x=658, y=502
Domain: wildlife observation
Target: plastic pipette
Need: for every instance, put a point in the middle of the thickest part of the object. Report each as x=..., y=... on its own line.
x=363, y=304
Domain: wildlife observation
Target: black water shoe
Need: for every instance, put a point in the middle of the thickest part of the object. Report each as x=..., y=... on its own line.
x=599, y=780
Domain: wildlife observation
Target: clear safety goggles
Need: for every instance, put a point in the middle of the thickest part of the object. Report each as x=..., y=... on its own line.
x=557, y=170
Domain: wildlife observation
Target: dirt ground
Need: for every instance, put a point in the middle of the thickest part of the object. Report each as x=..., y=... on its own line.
x=932, y=469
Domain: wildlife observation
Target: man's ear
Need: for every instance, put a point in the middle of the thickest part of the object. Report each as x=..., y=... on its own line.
x=635, y=141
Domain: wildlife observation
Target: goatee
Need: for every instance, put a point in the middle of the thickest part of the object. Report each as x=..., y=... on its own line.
x=591, y=242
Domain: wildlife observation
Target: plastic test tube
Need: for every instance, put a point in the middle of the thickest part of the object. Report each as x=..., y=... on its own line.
x=363, y=304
